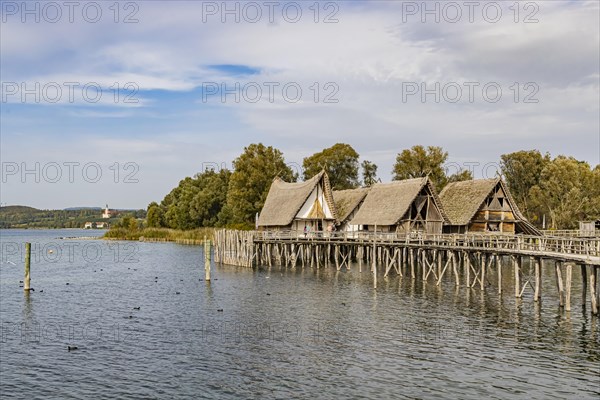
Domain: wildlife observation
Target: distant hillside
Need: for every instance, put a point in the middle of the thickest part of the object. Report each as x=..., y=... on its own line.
x=29, y=217
x=17, y=209
x=82, y=208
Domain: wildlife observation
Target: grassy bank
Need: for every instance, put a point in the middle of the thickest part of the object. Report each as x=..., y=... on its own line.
x=195, y=236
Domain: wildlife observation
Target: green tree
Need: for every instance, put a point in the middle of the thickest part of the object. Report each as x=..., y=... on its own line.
x=369, y=172
x=177, y=205
x=563, y=192
x=419, y=161
x=208, y=202
x=126, y=222
x=195, y=202
x=594, y=190
x=522, y=170
x=249, y=184
x=340, y=161
x=155, y=216
x=462, y=175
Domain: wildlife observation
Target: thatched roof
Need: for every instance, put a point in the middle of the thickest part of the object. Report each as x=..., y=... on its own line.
x=462, y=200
x=387, y=203
x=346, y=201
x=286, y=199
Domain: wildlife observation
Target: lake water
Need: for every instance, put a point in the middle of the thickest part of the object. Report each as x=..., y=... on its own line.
x=281, y=333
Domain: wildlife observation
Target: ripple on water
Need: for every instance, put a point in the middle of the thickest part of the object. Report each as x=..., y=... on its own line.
x=282, y=334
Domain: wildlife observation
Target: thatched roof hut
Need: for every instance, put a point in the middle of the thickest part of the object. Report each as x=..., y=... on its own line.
x=347, y=203
x=294, y=205
x=483, y=205
x=403, y=207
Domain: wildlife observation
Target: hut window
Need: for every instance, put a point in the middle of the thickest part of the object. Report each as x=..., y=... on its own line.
x=493, y=227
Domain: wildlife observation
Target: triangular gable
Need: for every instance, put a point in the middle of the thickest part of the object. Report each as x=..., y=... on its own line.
x=316, y=212
x=388, y=203
x=317, y=205
x=285, y=200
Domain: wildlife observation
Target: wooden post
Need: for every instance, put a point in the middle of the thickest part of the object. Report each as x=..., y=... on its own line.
x=482, y=261
x=499, y=268
x=206, y=259
x=454, y=257
x=374, y=266
x=360, y=257
x=583, y=285
x=597, y=268
x=27, y=280
x=559, y=285
x=517, y=277
x=467, y=262
x=593, y=289
x=412, y=263
x=568, y=287
x=538, y=275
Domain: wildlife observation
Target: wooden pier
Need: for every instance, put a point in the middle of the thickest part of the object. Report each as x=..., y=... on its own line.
x=468, y=259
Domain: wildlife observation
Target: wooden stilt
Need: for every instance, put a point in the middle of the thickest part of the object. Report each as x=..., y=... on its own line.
x=569, y=273
x=467, y=262
x=517, y=267
x=499, y=268
x=412, y=264
x=536, y=291
x=483, y=262
x=593, y=297
x=454, y=257
x=559, y=284
x=374, y=266
x=583, y=285
x=360, y=257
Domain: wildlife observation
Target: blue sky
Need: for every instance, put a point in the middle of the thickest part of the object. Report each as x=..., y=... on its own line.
x=179, y=56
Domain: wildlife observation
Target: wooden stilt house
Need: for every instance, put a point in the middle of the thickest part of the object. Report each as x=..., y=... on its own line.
x=347, y=203
x=293, y=206
x=483, y=205
x=402, y=207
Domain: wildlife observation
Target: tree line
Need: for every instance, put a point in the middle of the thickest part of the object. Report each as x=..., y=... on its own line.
x=562, y=190
x=28, y=217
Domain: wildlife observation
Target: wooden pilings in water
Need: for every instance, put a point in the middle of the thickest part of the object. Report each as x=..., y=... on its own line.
x=235, y=247
x=466, y=265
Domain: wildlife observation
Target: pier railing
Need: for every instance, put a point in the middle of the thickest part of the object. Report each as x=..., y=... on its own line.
x=594, y=233
x=515, y=243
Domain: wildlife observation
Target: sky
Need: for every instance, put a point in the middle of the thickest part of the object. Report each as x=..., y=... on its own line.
x=116, y=102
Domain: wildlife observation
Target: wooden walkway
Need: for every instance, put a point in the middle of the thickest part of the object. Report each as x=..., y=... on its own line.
x=578, y=250
x=467, y=257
